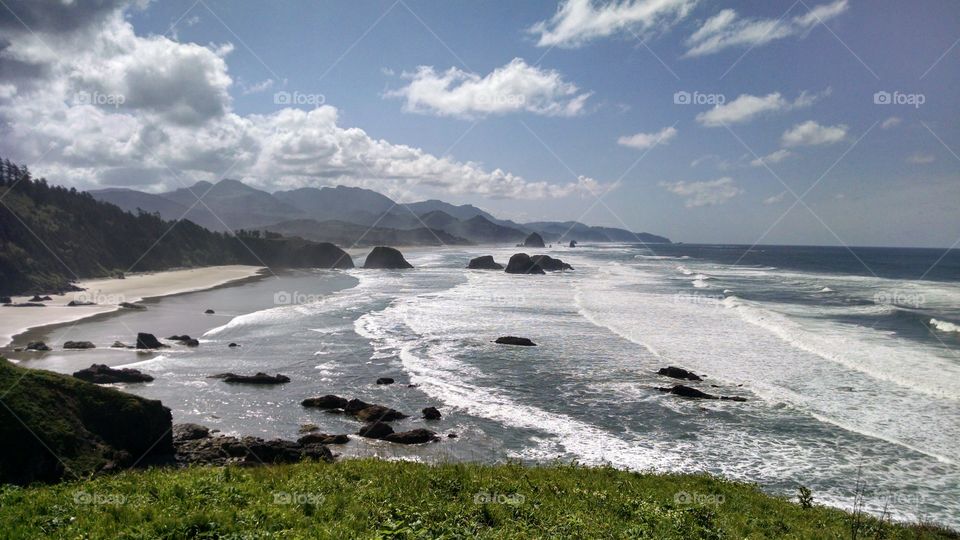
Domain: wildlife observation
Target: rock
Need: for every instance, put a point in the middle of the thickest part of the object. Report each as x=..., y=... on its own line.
x=379, y=413
x=78, y=345
x=688, y=392
x=521, y=263
x=38, y=298
x=386, y=257
x=209, y=312
x=534, y=240
x=414, y=436
x=573, y=243
x=247, y=451
x=120, y=345
x=37, y=346
x=308, y=428
x=259, y=378
x=5, y=300
x=192, y=343
x=355, y=405
x=25, y=304
x=185, y=340
x=451, y=435
x=128, y=305
x=485, y=262
x=375, y=430
x=328, y=401
x=550, y=264
x=678, y=373
x=76, y=303
x=385, y=380
x=190, y=432
x=101, y=374
x=178, y=338
x=233, y=345
x=513, y=340
x=323, y=438
x=431, y=413
x=149, y=341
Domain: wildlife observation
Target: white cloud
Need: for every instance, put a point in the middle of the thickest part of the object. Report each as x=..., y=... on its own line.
x=727, y=29
x=256, y=88
x=919, y=158
x=747, y=107
x=775, y=157
x=642, y=141
x=811, y=133
x=177, y=125
x=706, y=193
x=578, y=21
x=514, y=87
x=775, y=198
x=893, y=121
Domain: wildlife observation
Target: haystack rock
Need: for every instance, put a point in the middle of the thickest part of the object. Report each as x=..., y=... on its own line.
x=534, y=240
x=386, y=257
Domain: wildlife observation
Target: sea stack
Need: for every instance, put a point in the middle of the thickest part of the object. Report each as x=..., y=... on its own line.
x=534, y=240
x=386, y=257
x=521, y=263
x=484, y=263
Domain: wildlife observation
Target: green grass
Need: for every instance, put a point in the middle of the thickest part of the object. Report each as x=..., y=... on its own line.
x=371, y=498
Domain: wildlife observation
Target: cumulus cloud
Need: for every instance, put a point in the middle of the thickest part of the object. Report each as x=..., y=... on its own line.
x=811, y=133
x=642, y=141
x=727, y=29
x=514, y=87
x=774, y=199
x=577, y=22
x=775, y=157
x=706, y=193
x=747, y=107
x=175, y=124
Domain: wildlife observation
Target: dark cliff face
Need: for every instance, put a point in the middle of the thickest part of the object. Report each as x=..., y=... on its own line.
x=386, y=258
x=55, y=427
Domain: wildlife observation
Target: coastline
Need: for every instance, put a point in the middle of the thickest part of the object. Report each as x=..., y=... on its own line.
x=108, y=294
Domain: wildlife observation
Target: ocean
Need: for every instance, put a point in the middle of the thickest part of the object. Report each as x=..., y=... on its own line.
x=849, y=361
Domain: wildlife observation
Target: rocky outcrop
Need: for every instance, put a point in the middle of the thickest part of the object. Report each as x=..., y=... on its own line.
x=385, y=380
x=414, y=436
x=78, y=345
x=678, y=373
x=688, y=392
x=323, y=438
x=573, y=243
x=185, y=340
x=379, y=413
x=209, y=312
x=38, y=298
x=375, y=430
x=258, y=378
x=102, y=374
x=550, y=264
x=224, y=450
x=485, y=262
x=328, y=401
x=78, y=303
x=149, y=341
x=514, y=340
x=37, y=346
x=431, y=413
x=128, y=305
x=386, y=258
x=521, y=263
x=190, y=432
x=25, y=304
x=534, y=240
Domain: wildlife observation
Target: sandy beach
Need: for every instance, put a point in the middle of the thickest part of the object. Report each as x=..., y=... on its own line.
x=108, y=294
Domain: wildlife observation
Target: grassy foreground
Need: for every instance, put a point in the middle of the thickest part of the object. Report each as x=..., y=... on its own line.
x=372, y=498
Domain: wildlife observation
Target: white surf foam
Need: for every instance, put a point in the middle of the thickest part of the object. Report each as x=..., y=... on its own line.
x=944, y=326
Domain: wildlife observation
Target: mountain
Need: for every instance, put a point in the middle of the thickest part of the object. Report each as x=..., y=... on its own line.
x=553, y=231
x=354, y=235
x=232, y=205
x=51, y=236
x=462, y=212
x=340, y=203
x=477, y=229
x=132, y=200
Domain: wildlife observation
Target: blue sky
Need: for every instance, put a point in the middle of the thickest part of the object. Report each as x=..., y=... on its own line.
x=547, y=114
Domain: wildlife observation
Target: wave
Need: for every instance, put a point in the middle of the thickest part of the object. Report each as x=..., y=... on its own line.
x=944, y=326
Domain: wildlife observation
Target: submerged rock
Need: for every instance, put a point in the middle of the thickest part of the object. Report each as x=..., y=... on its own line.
x=678, y=373
x=521, y=263
x=128, y=305
x=102, y=374
x=149, y=341
x=385, y=380
x=78, y=345
x=688, y=392
x=514, y=340
x=414, y=436
x=258, y=378
x=387, y=258
x=76, y=303
x=534, y=240
x=485, y=262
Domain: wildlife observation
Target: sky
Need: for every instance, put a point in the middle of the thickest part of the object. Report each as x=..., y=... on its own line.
x=819, y=122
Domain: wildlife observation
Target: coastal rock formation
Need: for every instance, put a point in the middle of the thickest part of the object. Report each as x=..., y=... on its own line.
x=84, y=428
x=379, y=413
x=224, y=450
x=38, y=298
x=258, y=378
x=550, y=264
x=128, y=305
x=375, y=430
x=573, y=243
x=328, y=401
x=209, y=312
x=77, y=303
x=25, y=304
x=355, y=405
x=386, y=258
x=688, y=392
x=534, y=240
x=148, y=341
x=414, y=436
x=385, y=380
x=185, y=340
x=102, y=374
x=323, y=438
x=514, y=340
x=521, y=263
x=431, y=413
x=120, y=345
x=485, y=262
x=5, y=300
x=678, y=373
x=190, y=432
x=37, y=346
x=78, y=345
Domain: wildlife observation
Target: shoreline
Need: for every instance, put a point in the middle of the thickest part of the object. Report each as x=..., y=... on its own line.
x=109, y=293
